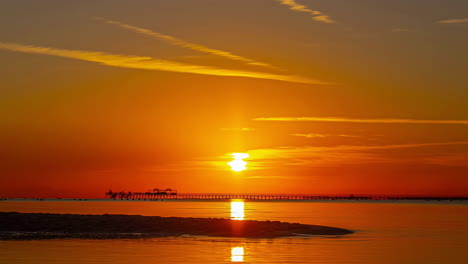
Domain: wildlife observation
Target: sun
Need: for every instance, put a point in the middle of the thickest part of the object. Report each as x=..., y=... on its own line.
x=238, y=164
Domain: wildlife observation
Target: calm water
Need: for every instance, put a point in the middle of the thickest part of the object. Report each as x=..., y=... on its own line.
x=386, y=233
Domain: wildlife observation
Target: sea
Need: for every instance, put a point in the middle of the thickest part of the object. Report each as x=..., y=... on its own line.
x=401, y=232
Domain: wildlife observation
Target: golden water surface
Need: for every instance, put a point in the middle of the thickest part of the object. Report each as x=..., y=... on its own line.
x=397, y=232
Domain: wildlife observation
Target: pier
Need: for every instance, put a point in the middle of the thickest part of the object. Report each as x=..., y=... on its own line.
x=169, y=194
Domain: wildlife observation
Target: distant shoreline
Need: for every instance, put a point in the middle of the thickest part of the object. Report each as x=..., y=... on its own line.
x=32, y=226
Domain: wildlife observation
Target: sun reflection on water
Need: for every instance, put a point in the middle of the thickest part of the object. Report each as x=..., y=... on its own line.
x=237, y=254
x=237, y=210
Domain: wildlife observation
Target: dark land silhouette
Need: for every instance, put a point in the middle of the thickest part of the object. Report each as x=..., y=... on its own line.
x=22, y=226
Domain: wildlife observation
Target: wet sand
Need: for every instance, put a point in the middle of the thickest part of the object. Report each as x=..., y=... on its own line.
x=24, y=226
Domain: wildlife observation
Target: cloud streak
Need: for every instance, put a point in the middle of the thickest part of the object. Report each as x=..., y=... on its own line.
x=315, y=135
x=454, y=21
x=361, y=120
x=346, y=154
x=181, y=43
x=316, y=15
x=307, y=156
x=149, y=63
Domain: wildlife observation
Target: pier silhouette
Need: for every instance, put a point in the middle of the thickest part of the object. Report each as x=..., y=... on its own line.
x=170, y=194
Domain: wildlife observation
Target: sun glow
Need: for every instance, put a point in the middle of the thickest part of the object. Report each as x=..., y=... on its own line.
x=238, y=164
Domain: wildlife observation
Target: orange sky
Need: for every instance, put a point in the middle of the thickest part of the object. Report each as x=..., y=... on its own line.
x=332, y=97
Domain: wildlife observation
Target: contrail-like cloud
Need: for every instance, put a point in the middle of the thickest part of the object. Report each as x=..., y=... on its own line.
x=316, y=135
x=149, y=63
x=350, y=154
x=299, y=151
x=360, y=120
x=454, y=21
x=306, y=156
x=188, y=45
x=316, y=15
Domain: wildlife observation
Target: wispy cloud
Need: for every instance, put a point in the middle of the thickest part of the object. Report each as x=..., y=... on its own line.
x=361, y=120
x=311, y=135
x=265, y=158
x=454, y=21
x=316, y=15
x=315, y=135
x=188, y=45
x=399, y=146
x=338, y=155
x=149, y=63
x=298, y=151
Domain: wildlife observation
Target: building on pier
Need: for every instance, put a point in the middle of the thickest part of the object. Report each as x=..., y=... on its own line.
x=150, y=194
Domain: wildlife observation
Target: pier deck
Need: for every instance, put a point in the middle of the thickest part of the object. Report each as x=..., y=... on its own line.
x=201, y=196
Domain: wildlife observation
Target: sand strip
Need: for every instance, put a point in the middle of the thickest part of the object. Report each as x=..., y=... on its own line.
x=21, y=226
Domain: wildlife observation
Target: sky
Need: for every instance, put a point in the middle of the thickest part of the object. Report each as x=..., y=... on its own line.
x=324, y=96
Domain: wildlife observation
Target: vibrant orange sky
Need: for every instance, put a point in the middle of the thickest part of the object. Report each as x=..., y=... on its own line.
x=327, y=97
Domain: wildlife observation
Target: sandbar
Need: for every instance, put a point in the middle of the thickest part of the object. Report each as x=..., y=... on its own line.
x=28, y=226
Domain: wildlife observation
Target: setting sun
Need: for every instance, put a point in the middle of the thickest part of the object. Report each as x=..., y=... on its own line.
x=238, y=164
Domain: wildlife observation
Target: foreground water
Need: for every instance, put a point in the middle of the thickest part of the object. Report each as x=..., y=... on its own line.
x=386, y=232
